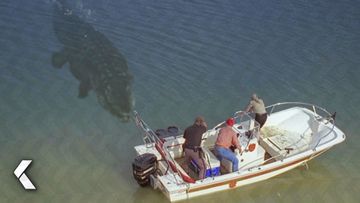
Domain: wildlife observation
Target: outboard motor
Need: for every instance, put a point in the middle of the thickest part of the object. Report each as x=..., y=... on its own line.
x=143, y=166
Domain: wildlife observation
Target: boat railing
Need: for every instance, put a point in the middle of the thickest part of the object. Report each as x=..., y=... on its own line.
x=150, y=139
x=319, y=113
x=247, y=122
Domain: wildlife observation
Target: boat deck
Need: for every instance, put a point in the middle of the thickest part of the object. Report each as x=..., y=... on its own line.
x=190, y=171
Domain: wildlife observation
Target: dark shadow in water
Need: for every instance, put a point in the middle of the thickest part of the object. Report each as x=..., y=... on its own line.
x=94, y=61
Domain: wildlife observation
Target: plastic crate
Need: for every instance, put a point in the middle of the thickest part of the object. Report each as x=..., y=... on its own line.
x=210, y=172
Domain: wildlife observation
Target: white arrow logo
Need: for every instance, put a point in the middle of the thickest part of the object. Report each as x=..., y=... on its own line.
x=19, y=173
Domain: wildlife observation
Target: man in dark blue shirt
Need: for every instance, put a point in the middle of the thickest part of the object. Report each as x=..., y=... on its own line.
x=193, y=135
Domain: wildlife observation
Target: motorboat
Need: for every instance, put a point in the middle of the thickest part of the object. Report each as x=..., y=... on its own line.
x=293, y=134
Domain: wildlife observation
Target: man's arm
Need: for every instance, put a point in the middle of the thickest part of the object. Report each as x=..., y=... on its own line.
x=185, y=134
x=248, y=108
x=235, y=141
x=205, y=125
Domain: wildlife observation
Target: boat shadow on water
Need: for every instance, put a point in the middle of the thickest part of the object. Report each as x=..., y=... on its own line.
x=93, y=61
x=148, y=195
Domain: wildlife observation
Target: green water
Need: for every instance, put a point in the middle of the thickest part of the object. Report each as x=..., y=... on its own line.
x=188, y=58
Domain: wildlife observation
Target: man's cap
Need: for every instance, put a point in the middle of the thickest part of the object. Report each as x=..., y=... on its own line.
x=230, y=121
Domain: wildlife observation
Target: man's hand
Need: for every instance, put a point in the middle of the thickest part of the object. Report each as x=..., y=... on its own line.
x=241, y=113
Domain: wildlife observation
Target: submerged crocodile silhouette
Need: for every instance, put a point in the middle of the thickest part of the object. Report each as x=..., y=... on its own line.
x=94, y=61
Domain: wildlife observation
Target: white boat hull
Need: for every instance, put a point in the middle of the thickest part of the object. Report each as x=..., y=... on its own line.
x=240, y=181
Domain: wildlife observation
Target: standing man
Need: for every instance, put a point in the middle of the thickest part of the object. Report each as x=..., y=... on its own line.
x=258, y=107
x=193, y=136
x=226, y=138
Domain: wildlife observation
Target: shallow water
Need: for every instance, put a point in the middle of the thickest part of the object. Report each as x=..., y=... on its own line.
x=187, y=58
